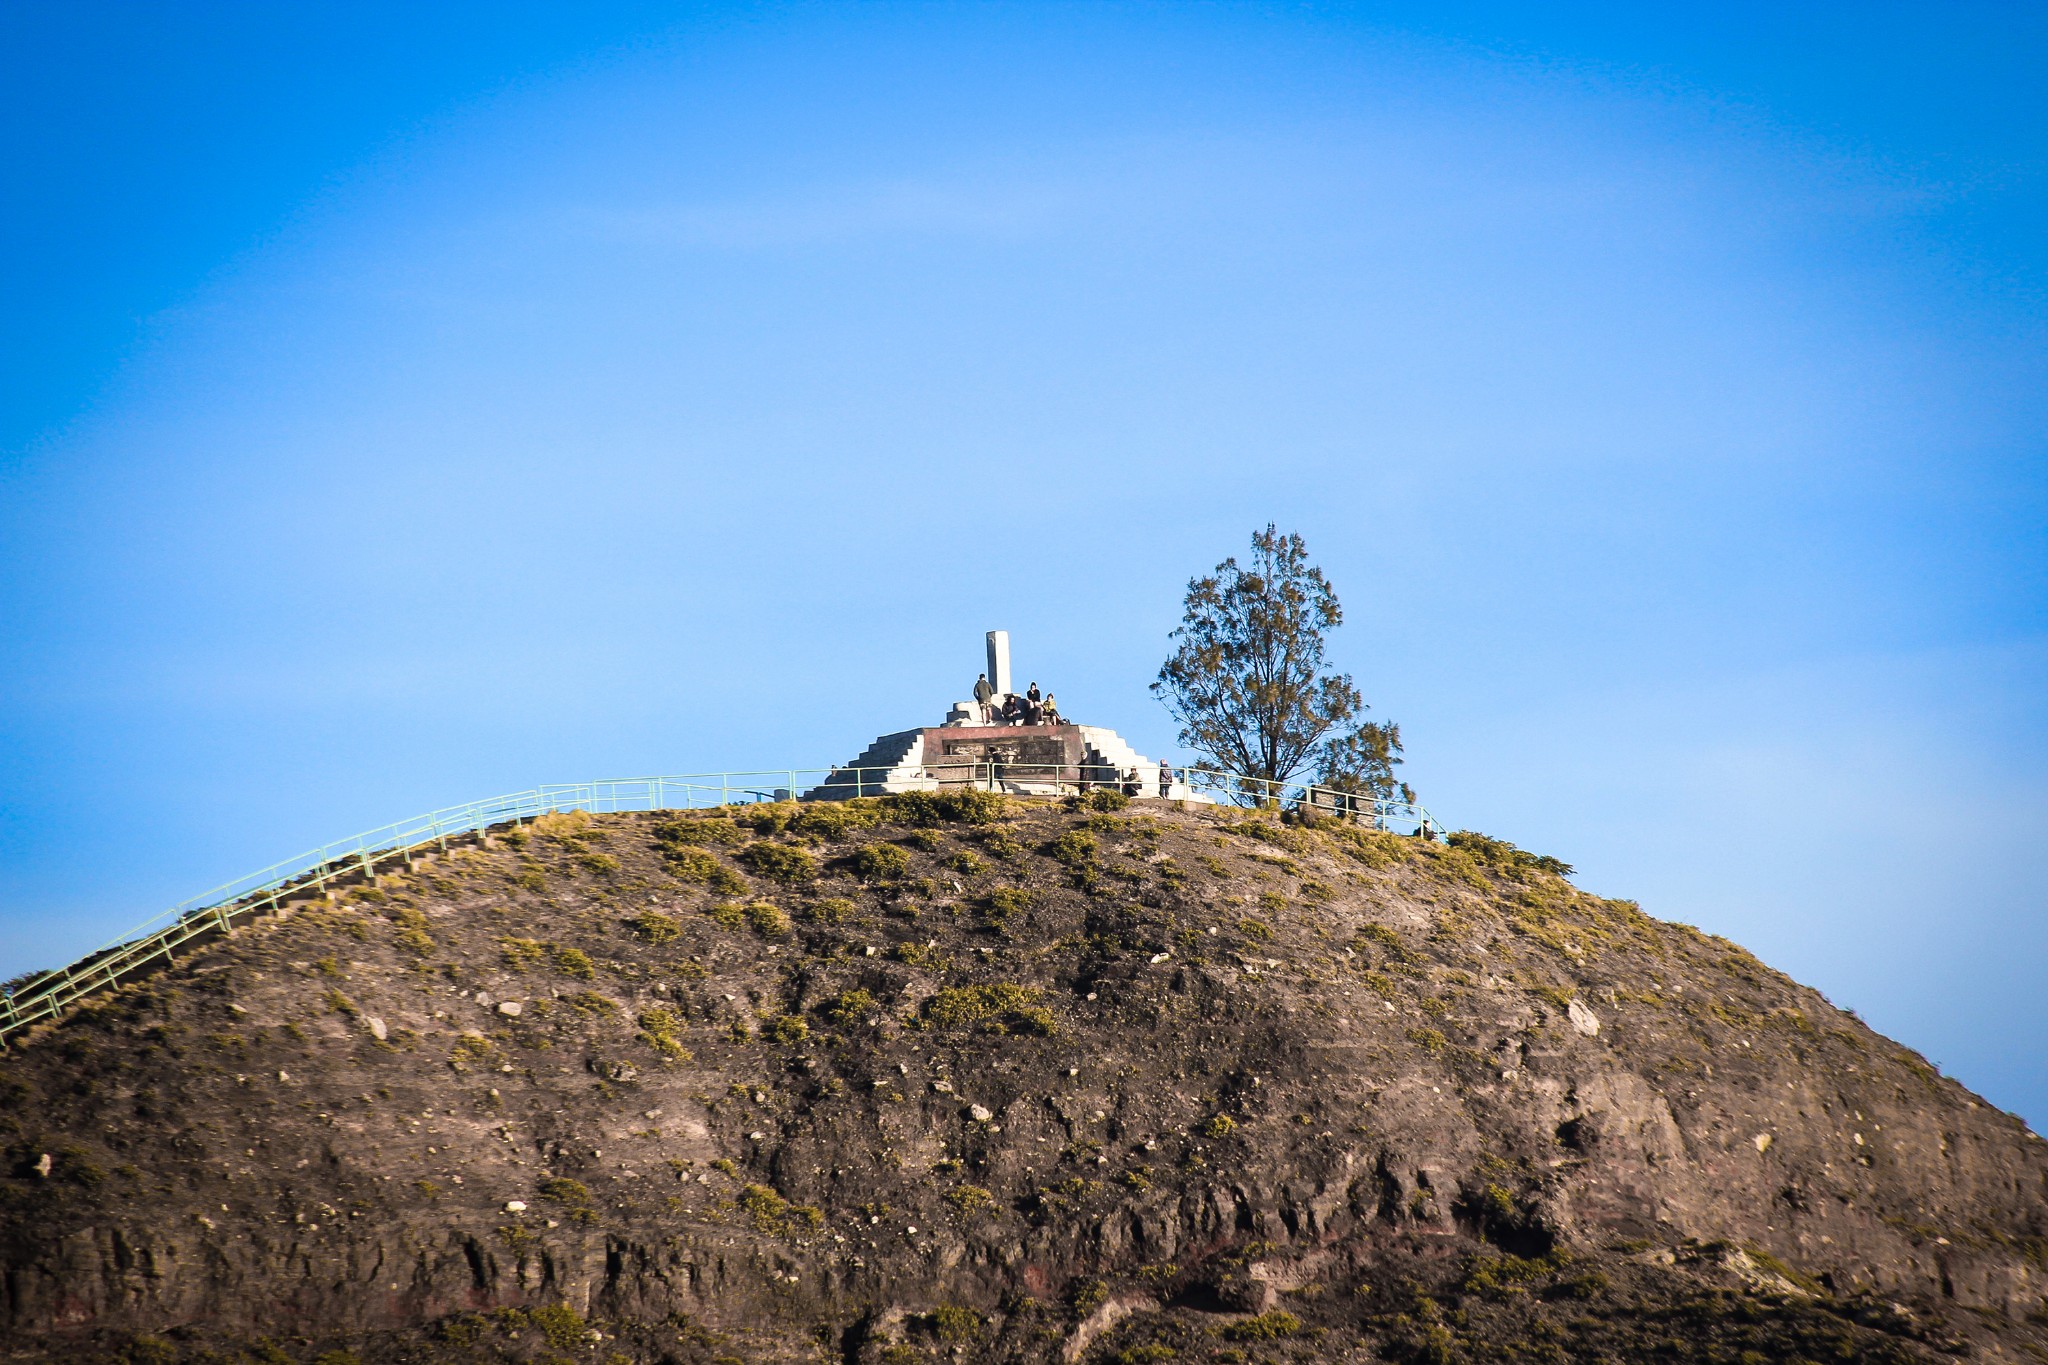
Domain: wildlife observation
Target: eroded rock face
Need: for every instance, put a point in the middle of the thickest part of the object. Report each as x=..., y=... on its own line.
x=1049, y=1083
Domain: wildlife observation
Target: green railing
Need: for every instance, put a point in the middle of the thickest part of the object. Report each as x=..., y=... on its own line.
x=217, y=912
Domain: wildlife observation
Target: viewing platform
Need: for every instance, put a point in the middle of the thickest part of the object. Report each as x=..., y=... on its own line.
x=1003, y=741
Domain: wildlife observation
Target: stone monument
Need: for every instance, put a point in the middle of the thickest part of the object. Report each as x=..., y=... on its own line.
x=975, y=746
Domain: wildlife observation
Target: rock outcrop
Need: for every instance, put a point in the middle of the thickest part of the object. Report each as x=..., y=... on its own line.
x=918, y=1077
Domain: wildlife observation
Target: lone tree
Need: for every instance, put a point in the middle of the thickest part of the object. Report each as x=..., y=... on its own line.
x=1249, y=685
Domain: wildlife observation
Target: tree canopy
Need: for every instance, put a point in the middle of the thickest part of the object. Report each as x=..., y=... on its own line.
x=1249, y=682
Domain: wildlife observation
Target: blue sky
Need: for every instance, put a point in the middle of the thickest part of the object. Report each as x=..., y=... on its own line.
x=402, y=408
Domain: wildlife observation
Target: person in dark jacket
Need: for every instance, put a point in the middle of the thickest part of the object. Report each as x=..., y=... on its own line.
x=984, y=693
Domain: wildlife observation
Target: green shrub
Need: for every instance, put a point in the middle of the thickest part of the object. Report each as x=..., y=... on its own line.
x=728, y=915
x=531, y=879
x=833, y=820
x=950, y=1322
x=1105, y=799
x=1076, y=848
x=832, y=910
x=472, y=1049
x=1219, y=1126
x=572, y=1195
x=1006, y=901
x=1501, y=856
x=591, y=1003
x=1149, y=1353
x=766, y=1207
x=601, y=863
x=1265, y=1327
x=881, y=862
x=966, y=864
x=851, y=1008
x=786, y=1029
x=574, y=962
x=781, y=862
x=1255, y=929
x=961, y=805
x=1428, y=1039
x=999, y=843
x=412, y=933
x=661, y=1028
x=656, y=927
x=970, y=1199
x=995, y=1008
x=770, y=1212
x=695, y=865
x=560, y=1324
x=697, y=830
x=768, y=919
x=1380, y=936
x=521, y=954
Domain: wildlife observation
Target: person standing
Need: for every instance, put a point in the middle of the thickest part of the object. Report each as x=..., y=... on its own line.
x=984, y=693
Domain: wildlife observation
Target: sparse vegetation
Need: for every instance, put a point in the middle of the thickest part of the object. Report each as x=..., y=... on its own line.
x=880, y=862
x=999, y=1007
x=784, y=863
x=1043, y=1058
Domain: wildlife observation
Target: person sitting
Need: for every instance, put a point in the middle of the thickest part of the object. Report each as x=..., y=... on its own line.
x=1133, y=785
x=1013, y=708
x=1034, y=710
x=1031, y=693
x=1052, y=710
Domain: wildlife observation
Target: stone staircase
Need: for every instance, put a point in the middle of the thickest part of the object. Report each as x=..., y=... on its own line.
x=893, y=763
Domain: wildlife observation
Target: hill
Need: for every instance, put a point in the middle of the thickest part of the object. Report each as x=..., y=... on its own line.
x=927, y=1077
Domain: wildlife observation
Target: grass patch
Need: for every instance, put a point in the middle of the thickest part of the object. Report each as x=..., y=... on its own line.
x=1265, y=1327
x=656, y=927
x=784, y=863
x=998, y=1008
x=880, y=862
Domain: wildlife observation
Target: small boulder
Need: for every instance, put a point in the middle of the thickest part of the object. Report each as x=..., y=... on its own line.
x=1583, y=1019
x=980, y=1113
x=511, y=1008
x=515, y=1206
x=43, y=1166
x=376, y=1027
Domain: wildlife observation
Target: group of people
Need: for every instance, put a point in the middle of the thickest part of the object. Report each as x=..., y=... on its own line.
x=1009, y=708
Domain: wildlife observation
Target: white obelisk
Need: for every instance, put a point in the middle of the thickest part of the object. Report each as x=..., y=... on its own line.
x=999, y=661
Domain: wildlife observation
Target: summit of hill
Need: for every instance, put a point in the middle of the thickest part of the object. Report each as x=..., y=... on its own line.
x=946, y=1075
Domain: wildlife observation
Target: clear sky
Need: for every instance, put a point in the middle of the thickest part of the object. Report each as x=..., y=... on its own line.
x=404, y=404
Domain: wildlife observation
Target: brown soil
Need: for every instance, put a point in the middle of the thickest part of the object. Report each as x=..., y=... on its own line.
x=918, y=1080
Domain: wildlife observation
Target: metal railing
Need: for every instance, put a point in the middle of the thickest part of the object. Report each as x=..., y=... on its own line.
x=217, y=912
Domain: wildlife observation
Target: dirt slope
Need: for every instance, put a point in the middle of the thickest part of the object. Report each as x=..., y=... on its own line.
x=927, y=1079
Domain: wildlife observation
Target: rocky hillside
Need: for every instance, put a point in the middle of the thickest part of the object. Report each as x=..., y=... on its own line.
x=924, y=1079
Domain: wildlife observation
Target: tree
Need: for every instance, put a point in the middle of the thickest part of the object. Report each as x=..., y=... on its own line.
x=1248, y=682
